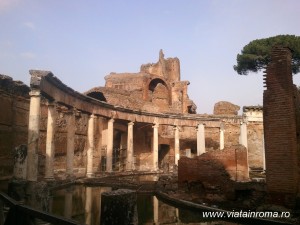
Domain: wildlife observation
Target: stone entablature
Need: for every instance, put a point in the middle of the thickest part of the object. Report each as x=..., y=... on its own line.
x=253, y=113
x=52, y=88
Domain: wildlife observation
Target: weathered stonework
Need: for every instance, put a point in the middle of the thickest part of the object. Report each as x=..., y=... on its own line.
x=225, y=108
x=231, y=161
x=13, y=120
x=280, y=129
x=156, y=88
x=154, y=101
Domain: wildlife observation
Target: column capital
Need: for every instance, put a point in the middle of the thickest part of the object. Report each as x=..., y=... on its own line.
x=50, y=103
x=131, y=123
x=176, y=127
x=155, y=125
x=35, y=93
x=93, y=116
x=111, y=120
x=200, y=124
x=222, y=127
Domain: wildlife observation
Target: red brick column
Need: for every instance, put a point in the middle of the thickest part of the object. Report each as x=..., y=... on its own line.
x=280, y=129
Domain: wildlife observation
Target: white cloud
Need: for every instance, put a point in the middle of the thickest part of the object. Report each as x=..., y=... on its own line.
x=28, y=55
x=29, y=25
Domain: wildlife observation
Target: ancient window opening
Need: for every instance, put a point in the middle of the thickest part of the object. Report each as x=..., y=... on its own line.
x=155, y=82
x=97, y=95
x=163, y=156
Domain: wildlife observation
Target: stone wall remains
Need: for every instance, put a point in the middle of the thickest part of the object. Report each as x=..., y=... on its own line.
x=214, y=166
x=13, y=121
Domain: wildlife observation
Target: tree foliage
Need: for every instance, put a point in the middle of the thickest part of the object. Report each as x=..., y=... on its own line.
x=256, y=55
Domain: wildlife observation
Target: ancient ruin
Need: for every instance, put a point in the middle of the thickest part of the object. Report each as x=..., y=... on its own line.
x=138, y=122
x=145, y=123
x=281, y=125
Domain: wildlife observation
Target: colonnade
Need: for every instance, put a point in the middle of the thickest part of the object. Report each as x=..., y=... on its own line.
x=33, y=137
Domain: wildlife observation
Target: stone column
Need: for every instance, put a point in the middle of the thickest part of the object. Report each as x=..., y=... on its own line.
x=110, y=143
x=222, y=136
x=176, y=145
x=90, y=150
x=50, y=143
x=155, y=146
x=129, y=160
x=70, y=142
x=243, y=135
x=200, y=139
x=33, y=135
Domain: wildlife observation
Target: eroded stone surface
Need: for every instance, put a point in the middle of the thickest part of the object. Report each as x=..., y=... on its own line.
x=226, y=108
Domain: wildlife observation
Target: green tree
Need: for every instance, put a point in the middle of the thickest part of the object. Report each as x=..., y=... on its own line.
x=256, y=55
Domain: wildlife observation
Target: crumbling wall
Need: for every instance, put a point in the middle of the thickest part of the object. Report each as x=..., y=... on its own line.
x=214, y=165
x=226, y=108
x=167, y=68
x=14, y=113
x=280, y=130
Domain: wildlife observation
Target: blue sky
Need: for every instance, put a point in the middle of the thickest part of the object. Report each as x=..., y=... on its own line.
x=81, y=41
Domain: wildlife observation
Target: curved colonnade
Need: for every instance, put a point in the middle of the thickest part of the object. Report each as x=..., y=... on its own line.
x=44, y=83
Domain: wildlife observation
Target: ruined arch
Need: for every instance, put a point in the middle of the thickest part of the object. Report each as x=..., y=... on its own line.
x=97, y=95
x=151, y=86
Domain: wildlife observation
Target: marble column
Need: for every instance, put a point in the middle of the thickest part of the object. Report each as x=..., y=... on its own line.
x=33, y=135
x=90, y=149
x=176, y=145
x=50, y=142
x=243, y=135
x=221, y=136
x=155, y=146
x=70, y=142
x=110, y=143
x=129, y=164
x=200, y=139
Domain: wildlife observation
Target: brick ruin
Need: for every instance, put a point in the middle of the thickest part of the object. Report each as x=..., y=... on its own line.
x=139, y=121
x=281, y=126
x=156, y=88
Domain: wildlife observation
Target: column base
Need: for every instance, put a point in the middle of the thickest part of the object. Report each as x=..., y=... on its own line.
x=90, y=175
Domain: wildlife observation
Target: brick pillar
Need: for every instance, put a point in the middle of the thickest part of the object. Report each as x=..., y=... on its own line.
x=281, y=154
x=50, y=143
x=33, y=135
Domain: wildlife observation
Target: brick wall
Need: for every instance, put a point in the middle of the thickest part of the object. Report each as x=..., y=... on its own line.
x=13, y=120
x=280, y=127
x=215, y=166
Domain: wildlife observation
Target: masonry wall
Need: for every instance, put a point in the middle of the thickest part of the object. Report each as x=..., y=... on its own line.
x=13, y=121
x=214, y=165
x=280, y=128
